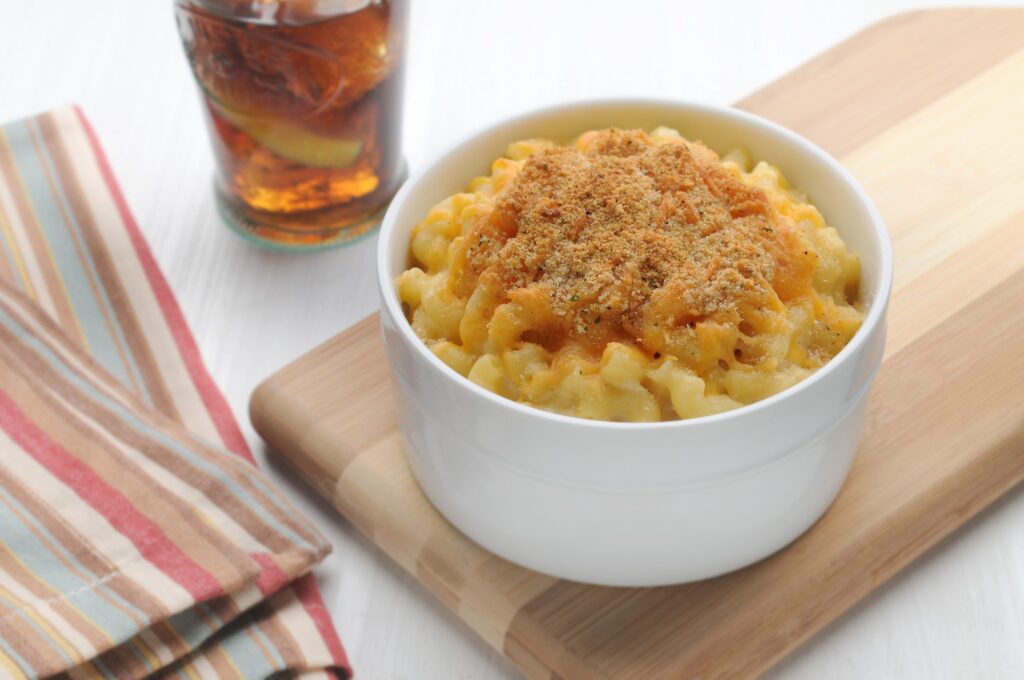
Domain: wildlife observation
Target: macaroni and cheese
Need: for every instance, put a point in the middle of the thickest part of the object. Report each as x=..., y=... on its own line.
x=630, y=277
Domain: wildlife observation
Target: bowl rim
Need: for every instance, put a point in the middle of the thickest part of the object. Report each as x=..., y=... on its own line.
x=873, y=318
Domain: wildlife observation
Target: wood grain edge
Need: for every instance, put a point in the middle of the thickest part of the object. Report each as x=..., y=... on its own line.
x=299, y=429
x=280, y=422
x=808, y=100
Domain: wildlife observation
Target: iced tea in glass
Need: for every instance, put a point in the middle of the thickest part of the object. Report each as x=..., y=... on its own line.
x=303, y=100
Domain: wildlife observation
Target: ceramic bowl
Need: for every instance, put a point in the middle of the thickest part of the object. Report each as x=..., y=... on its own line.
x=635, y=504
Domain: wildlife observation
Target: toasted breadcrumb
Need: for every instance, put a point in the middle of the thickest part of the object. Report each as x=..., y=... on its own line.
x=603, y=229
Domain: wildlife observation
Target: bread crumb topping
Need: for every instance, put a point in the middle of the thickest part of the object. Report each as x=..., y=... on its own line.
x=612, y=230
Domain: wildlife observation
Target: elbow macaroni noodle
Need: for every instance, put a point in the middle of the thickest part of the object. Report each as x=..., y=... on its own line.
x=710, y=366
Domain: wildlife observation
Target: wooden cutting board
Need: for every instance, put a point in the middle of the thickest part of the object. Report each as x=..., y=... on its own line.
x=927, y=110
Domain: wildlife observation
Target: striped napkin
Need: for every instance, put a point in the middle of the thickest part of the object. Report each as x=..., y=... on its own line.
x=136, y=536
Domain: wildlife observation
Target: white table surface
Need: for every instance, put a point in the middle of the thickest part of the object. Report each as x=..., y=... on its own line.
x=956, y=613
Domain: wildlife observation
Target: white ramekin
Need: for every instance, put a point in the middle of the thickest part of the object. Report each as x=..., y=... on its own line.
x=623, y=503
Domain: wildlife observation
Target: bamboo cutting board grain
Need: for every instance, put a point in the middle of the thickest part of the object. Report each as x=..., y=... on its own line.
x=926, y=109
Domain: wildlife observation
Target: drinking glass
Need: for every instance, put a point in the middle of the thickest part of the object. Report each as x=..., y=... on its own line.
x=303, y=100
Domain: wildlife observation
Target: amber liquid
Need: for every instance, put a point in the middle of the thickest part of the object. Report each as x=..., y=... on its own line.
x=304, y=111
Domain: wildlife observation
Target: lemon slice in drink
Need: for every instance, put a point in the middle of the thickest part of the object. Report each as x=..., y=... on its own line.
x=294, y=143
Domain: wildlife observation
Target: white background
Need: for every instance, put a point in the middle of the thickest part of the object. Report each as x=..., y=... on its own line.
x=957, y=613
